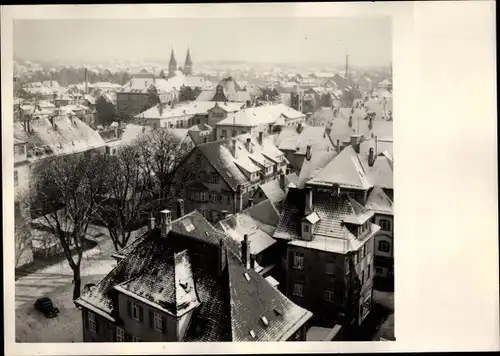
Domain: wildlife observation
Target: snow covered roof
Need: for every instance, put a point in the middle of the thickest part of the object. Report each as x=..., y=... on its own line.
x=265, y=114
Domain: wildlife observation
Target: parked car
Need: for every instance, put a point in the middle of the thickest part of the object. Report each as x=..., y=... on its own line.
x=46, y=306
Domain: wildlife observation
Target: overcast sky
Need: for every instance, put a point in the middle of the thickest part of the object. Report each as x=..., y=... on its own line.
x=367, y=41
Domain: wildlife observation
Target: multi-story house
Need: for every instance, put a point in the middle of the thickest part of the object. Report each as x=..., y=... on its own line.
x=267, y=118
x=23, y=242
x=187, y=281
x=275, y=190
x=330, y=234
x=219, y=177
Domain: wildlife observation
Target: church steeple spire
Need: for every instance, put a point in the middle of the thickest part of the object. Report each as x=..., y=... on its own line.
x=172, y=65
x=188, y=64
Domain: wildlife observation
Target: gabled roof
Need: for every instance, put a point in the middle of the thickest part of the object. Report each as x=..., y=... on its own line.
x=379, y=202
x=232, y=92
x=265, y=114
x=330, y=232
x=290, y=139
x=219, y=154
x=346, y=170
x=231, y=303
x=273, y=190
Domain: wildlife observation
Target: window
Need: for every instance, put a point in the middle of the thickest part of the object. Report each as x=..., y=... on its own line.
x=16, y=179
x=224, y=133
x=362, y=277
x=364, y=250
x=92, y=322
x=243, y=132
x=385, y=224
x=298, y=260
x=225, y=199
x=136, y=311
x=214, y=197
x=356, y=258
x=120, y=334
x=329, y=268
x=158, y=322
x=306, y=228
x=198, y=159
x=233, y=133
x=136, y=339
x=298, y=289
x=384, y=246
x=368, y=271
x=202, y=176
x=329, y=296
x=203, y=196
x=215, y=177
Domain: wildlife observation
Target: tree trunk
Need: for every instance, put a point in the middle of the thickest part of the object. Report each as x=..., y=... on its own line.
x=77, y=283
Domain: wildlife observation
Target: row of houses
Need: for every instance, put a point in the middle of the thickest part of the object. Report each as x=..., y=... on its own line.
x=298, y=263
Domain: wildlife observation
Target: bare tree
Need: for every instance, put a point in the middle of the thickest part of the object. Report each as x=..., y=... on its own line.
x=161, y=153
x=125, y=204
x=65, y=192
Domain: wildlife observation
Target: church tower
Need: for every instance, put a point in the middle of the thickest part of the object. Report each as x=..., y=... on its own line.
x=188, y=64
x=172, y=65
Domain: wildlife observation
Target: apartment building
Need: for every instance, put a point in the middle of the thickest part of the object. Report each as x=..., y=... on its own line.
x=219, y=177
x=186, y=281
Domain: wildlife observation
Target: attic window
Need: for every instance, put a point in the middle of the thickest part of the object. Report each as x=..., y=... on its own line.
x=247, y=277
x=252, y=334
x=264, y=320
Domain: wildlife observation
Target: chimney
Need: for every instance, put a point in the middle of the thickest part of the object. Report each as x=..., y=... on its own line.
x=248, y=145
x=222, y=256
x=309, y=200
x=234, y=149
x=338, y=146
x=282, y=180
x=252, y=261
x=205, y=140
x=355, y=142
x=245, y=251
x=261, y=134
x=250, y=202
x=249, y=103
x=308, y=153
x=376, y=145
x=180, y=208
x=86, y=84
x=166, y=222
x=300, y=128
x=151, y=224
x=328, y=130
x=371, y=157
x=116, y=132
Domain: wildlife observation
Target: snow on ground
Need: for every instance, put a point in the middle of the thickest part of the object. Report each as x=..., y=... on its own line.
x=55, y=282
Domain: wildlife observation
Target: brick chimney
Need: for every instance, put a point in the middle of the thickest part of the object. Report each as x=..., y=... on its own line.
x=309, y=200
x=245, y=251
x=252, y=261
x=151, y=223
x=166, y=222
x=282, y=181
x=248, y=145
x=308, y=152
x=261, y=134
x=180, y=208
x=355, y=142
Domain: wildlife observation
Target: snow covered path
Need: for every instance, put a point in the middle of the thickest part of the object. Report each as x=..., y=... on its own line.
x=55, y=282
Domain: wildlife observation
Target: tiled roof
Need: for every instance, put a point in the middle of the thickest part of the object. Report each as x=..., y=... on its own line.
x=265, y=213
x=242, y=224
x=381, y=173
x=273, y=190
x=289, y=139
x=232, y=302
x=310, y=168
x=265, y=114
x=379, y=202
x=70, y=135
x=345, y=169
x=330, y=233
x=219, y=153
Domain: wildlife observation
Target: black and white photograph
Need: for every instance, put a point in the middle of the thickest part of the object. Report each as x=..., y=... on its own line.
x=205, y=179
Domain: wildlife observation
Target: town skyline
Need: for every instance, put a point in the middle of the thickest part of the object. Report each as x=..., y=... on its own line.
x=367, y=41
